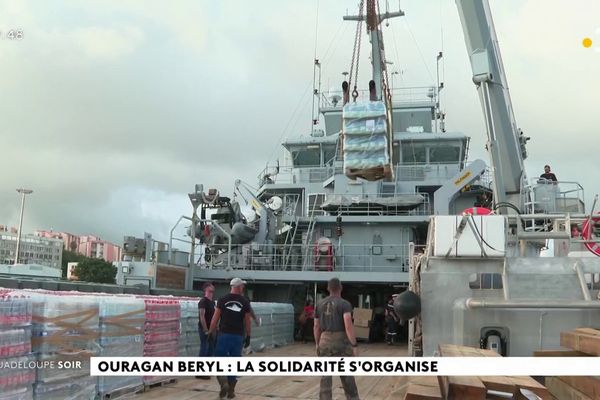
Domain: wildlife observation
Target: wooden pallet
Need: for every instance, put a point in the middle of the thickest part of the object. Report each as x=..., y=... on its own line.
x=470, y=387
x=582, y=342
x=116, y=394
x=170, y=381
x=585, y=340
x=564, y=390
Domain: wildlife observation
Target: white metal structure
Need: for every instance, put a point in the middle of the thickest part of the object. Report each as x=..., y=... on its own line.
x=489, y=287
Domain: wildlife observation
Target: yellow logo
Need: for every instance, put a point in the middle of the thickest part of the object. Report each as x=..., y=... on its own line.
x=588, y=43
x=462, y=178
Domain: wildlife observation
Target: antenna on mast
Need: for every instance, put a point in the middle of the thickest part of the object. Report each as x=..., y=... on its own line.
x=316, y=95
x=316, y=79
x=439, y=115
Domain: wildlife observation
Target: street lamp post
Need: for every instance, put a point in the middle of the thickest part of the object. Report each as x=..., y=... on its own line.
x=23, y=193
x=196, y=200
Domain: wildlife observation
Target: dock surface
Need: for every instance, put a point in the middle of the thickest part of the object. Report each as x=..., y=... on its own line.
x=286, y=387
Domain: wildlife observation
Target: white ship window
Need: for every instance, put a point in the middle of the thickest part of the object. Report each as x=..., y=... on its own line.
x=328, y=155
x=414, y=153
x=306, y=158
x=444, y=154
x=485, y=280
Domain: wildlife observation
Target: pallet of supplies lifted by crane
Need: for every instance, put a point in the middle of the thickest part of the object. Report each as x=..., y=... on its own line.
x=366, y=146
x=367, y=124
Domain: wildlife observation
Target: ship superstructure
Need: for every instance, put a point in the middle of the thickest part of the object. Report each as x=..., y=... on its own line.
x=313, y=222
x=466, y=237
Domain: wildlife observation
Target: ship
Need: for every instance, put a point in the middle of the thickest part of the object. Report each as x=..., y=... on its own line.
x=459, y=240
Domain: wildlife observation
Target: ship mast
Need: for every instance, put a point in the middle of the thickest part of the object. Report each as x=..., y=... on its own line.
x=373, y=19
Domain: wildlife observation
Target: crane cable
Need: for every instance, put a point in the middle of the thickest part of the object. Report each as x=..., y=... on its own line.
x=387, y=94
x=356, y=51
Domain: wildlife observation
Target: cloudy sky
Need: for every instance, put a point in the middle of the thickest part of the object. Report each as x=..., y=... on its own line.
x=112, y=110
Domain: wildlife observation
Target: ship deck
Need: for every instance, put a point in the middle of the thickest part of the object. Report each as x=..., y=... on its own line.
x=284, y=387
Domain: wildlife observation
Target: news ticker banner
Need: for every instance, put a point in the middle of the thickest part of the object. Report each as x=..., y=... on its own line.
x=320, y=366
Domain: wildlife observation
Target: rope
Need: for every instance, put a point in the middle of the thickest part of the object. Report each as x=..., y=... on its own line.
x=418, y=49
x=385, y=86
x=356, y=51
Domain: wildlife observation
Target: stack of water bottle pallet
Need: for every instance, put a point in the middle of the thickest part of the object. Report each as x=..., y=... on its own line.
x=65, y=330
x=189, y=340
x=121, y=335
x=276, y=328
x=16, y=376
x=282, y=316
x=366, y=147
x=161, y=332
x=581, y=342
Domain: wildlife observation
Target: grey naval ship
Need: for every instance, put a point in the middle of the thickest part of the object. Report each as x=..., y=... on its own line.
x=459, y=240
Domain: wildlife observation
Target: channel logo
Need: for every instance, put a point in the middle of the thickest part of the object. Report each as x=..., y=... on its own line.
x=588, y=42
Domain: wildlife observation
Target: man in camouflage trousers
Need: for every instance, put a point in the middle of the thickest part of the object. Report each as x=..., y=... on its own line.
x=334, y=337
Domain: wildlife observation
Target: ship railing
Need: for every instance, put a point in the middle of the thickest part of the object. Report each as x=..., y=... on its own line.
x=403, y=95
x=372, y=204
x=418, y=171
x=273, y=173
x=291, y=202
x=421, y=171
x=375, y=204
x=296, y=174
x=555, y=197
x=547, y=226
x=323, y=256
x=485, y=179
x=405, y=171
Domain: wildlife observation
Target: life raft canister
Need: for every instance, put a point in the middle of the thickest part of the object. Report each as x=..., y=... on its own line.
x=588, y=235
x=477, y=211
x=323, y=251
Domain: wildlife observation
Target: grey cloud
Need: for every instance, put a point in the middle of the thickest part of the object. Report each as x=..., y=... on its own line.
x=200, y=92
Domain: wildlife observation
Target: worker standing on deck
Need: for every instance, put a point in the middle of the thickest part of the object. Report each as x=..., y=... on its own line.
x=206, y=310
x=548, y=175
x=392, y=320
x=334, y=336
x=233, y=318
x=309, y=314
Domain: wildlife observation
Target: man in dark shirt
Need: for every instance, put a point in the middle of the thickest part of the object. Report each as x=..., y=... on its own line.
x=549, y=176
x=233, y=318
x=334, y=336
x=206, y=310
x=392, y=321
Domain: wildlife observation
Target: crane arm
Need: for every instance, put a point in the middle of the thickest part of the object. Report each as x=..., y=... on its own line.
x=505, y=142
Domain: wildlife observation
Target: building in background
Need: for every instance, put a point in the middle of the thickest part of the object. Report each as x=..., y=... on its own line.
x=33, y=249
x=94, y=247
x=6, y=228
x=87, y=245
x=71, y=241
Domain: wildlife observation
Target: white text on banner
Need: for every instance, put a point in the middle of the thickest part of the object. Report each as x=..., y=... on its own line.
x=320, y=366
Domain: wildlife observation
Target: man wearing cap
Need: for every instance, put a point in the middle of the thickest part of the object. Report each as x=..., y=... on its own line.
x=232, y=316
x=334, y=336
